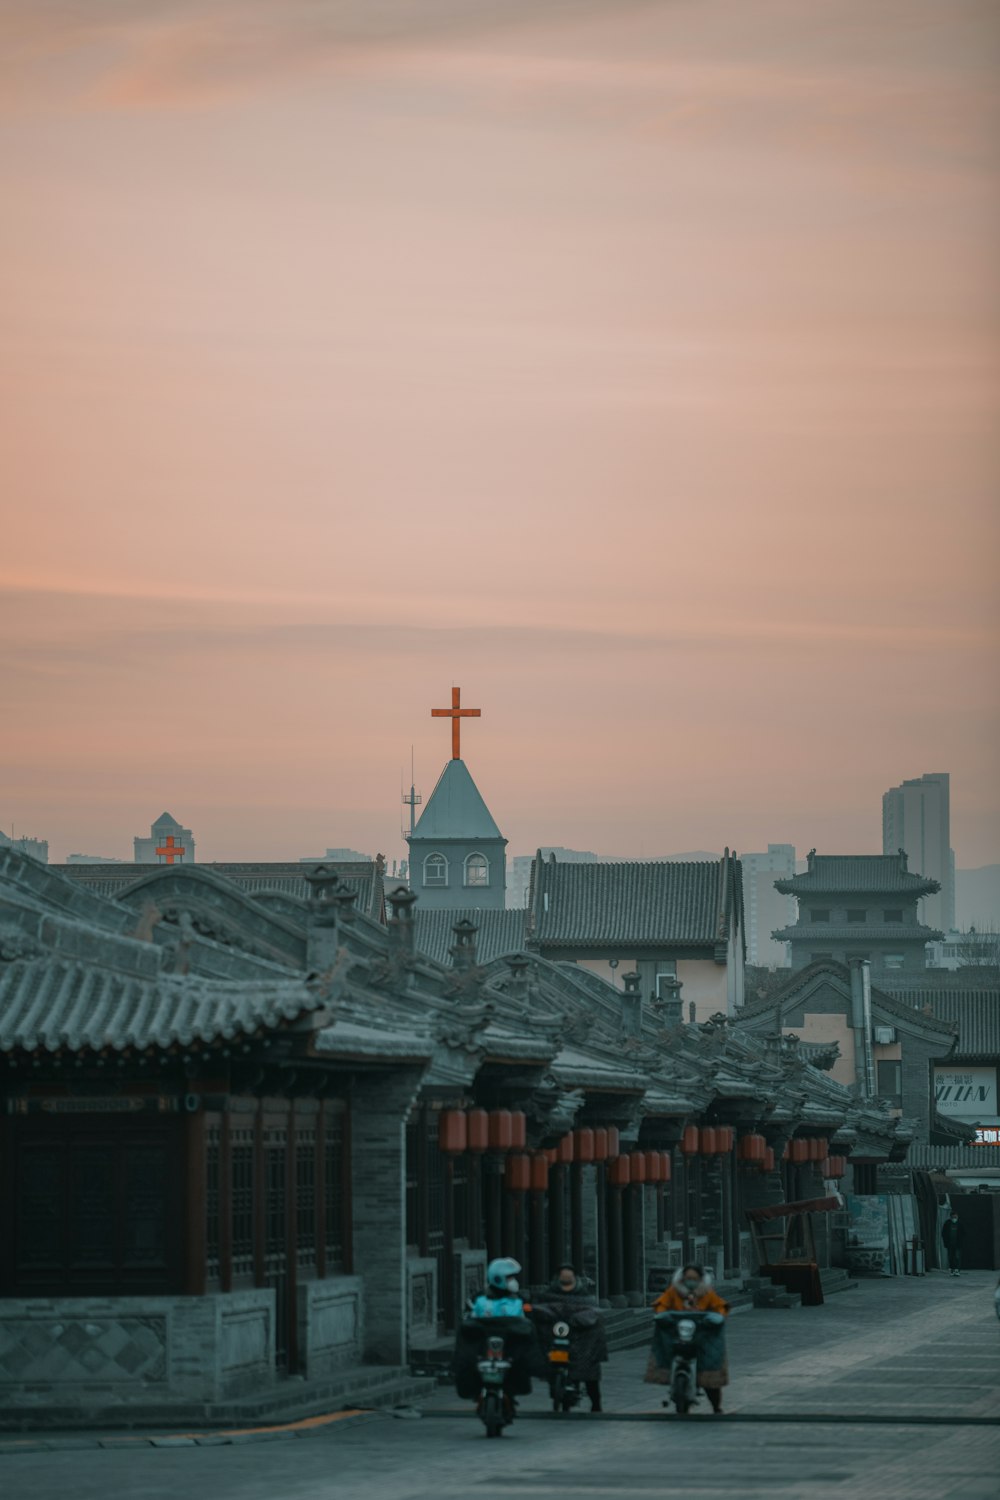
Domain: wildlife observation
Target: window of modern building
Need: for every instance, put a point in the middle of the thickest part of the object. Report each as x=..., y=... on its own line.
x=890, y=1080
x=856, y=914
x=435, y=870
x=892, y=916
x=894, y=961
x=477, y=870
x=820, y=915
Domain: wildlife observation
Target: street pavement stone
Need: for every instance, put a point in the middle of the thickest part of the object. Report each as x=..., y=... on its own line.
x=807, y=1383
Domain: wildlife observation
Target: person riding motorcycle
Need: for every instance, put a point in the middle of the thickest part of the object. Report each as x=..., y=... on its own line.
x=691, y=1291
x=502, y=1298
x=502, y=1304
x=569, y=1296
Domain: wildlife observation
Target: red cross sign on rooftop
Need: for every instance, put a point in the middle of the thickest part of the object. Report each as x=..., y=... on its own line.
x=456, y=714
x=171, y=850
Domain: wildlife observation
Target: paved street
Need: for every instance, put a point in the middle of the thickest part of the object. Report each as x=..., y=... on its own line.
x=865, y=1396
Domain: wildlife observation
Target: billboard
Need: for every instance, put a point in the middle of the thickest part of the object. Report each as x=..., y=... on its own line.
x=967, y=1093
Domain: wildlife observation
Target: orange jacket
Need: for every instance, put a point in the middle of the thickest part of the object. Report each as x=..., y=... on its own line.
x=674, y=1300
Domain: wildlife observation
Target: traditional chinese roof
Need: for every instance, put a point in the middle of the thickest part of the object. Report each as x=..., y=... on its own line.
x=856, y=874
x=50, y=1004
x=499, y=932
x=890, y=1009
x=814, y=932
x=456, y=810
x=255, y=878
x=638, y=903
x=975, y=1013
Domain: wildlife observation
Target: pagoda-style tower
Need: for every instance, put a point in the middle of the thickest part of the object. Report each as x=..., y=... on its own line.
x=457, y=853
x=859, y=906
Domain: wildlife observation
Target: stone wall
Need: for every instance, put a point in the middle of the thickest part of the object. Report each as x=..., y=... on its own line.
x=108, y=1351
x=331, y=1324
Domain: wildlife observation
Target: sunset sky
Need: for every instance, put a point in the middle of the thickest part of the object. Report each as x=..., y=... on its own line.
x=634, y=365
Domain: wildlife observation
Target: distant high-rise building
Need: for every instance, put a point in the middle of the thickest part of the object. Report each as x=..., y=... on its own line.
x=34, y=848
x=916, y=817
x=168, y=844
x=764, y=908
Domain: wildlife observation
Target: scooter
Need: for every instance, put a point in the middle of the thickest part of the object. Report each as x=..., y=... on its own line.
x=495, y=1407
x=686, y=1330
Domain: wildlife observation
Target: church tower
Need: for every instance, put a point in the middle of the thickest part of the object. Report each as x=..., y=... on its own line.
x=457, y=853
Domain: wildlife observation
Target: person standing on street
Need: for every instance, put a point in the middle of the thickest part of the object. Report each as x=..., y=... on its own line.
x=952, y=1236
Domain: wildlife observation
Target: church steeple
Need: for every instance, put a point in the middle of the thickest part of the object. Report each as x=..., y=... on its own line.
x=457, y=852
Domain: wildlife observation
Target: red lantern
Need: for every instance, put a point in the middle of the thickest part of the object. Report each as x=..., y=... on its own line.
x=600, y=1144
x=725, y=1135
x=817, y=1150
x=614, y=1143
x=786, y=1155
x=637, y=1168
x=583, y=1144
x=619, y=1172
x=551, y=1155
x=539, y=1173
x=478, y=1129
x=689, y=1140
x=752, y=1148
x=564, y=1151
x=653, y=1173
x=452, y=1130
x=706, y=1142
x=518, y=1130
x=517, y=1173
x=800, y=1152
x=666, y=1166
x=501, y=1132
x=768, y=1162
x=838, y=1165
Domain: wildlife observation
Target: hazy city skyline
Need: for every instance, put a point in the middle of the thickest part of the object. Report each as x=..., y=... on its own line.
x=633, y=366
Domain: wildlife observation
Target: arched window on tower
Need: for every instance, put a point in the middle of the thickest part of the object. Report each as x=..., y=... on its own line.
x=477, y=870
x=435, y=870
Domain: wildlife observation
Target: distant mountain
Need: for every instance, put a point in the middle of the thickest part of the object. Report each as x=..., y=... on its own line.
x=977, y=898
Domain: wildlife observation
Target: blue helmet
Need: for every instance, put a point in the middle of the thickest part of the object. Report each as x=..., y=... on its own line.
x=499, y=1272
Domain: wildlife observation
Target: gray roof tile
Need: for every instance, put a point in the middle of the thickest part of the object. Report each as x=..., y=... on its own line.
x=499, y=933
x=975, y=1011
x=845, y=874
x=52, y=1004
x=644, y=903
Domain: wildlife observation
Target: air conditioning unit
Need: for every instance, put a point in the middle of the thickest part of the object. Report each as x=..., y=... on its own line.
x=885, y=1035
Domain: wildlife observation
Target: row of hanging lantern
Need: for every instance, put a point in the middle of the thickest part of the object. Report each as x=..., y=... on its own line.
x=479, y=1130
x=524, y=1172
x=834, y=1167
x=503, y=1130
x=801, y=1150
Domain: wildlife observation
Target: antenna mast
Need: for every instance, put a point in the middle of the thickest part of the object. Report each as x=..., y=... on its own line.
x=413, y=800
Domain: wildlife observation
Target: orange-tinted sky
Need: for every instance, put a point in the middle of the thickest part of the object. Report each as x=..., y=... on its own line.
x=632, y=364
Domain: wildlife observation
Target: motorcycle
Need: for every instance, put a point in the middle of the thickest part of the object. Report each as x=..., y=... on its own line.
x=685, y=1332
x=495, y=1407
x=564, y=1389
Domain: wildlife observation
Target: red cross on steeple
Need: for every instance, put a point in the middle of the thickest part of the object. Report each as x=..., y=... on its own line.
x=456, y=714
x=171, y=851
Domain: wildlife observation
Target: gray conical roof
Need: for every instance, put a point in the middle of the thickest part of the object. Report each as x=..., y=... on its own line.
x=455, y=809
